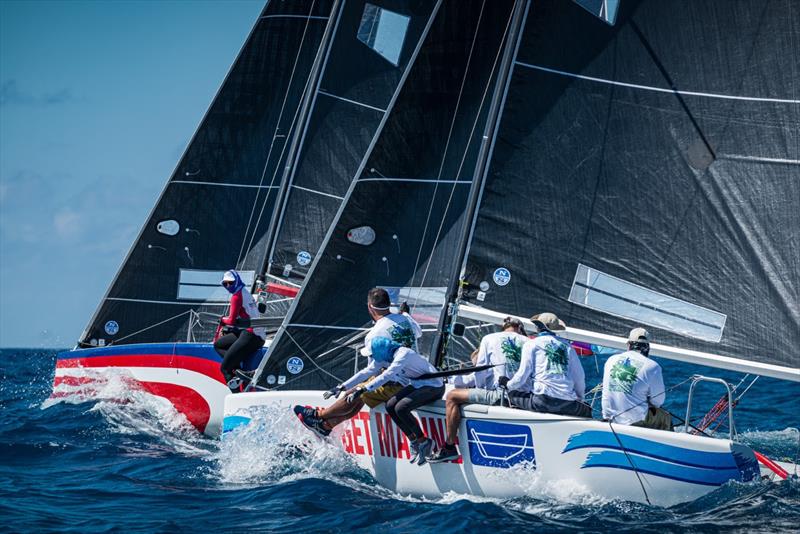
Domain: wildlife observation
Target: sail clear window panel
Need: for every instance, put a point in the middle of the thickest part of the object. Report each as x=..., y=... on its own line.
x=605, y=10
x=195, y=284
x=383, y=31
x=426, y=302
x=602, y=292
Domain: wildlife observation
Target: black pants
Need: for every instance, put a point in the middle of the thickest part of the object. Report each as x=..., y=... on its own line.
x=548, y=404
x=234, y=348
x=405, y=400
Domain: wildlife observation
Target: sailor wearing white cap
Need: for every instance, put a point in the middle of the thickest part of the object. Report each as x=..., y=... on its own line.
x=633, y=387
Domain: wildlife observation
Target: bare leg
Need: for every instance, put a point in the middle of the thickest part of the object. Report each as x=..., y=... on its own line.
x=340, y=410
x=453, y=403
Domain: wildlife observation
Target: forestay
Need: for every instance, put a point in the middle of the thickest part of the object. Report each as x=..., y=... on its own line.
x=214, y=210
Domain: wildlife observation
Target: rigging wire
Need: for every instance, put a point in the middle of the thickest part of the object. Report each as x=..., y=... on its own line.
x=272, y=144
x=630, y=461
x=446, y=148
x=153, y=326
x=466, y=151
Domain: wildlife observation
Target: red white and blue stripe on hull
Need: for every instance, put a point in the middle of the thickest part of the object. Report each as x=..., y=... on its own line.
x=186, y=374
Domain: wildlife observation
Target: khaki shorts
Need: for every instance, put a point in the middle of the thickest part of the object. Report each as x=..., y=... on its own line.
x=380, y=395
x=656, y=418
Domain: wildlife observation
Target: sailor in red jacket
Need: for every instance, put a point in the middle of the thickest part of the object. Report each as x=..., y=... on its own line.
x=243, y=340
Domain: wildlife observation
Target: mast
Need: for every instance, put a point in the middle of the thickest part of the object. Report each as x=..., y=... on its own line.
x=479, y=177
x=299, y=134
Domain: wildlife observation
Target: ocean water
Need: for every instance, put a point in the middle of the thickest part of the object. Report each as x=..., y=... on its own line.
x=128, y=462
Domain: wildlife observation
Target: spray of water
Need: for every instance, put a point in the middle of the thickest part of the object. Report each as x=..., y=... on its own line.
x=130, y=410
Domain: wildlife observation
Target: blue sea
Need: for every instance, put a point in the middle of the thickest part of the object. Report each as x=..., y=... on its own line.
x=128, y=462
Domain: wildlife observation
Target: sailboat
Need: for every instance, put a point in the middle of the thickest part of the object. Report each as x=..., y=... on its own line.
x=154, y=326
x=620, y=163
x=257, y=188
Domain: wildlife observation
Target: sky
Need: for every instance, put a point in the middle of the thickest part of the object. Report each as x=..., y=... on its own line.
x=98, y=100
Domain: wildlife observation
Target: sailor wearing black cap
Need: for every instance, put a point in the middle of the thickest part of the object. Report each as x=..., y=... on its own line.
x=633, y=386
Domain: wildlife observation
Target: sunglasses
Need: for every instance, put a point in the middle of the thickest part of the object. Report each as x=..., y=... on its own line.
x=228, y=283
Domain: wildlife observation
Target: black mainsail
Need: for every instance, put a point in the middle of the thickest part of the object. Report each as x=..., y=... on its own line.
x=399, y=224
x=215, y=209
x=646, y=173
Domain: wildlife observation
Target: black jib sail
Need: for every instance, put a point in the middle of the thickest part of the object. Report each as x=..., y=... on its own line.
x=401, y=219
x=364, y=70
x=215, y=209
x=646, y=173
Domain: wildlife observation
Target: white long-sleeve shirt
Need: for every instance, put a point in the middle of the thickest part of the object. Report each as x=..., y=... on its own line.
x=550, y=366
x=502, y=349
x=406, y=366
x=399, y=327
x=631, y=382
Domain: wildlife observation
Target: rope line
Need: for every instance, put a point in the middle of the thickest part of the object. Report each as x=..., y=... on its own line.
x=154, y=325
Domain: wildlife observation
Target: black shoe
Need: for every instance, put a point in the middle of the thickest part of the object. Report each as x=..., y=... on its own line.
x=445, y=454
x=308, y=416
x=424, y=450
x=235, y=385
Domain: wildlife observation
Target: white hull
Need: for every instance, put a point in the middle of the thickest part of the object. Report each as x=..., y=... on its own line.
x=503, y=449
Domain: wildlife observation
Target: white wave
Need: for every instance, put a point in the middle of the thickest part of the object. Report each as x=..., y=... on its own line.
x=273, y=447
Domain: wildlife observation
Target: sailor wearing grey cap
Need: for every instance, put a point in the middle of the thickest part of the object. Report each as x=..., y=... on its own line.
x=550, y=378
x=633, y=387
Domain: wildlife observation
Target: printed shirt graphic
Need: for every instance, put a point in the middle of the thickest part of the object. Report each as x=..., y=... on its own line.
x=629, y=380
x=557, y=358
x=395, y=326
x=502, y=349
x=622, y=376
x=550, y=366
x=401, y=328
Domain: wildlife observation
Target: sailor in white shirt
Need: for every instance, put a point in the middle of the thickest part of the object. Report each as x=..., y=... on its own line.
x=633, y=387
x=550, y=378
x=398, y=327
x=503, y=350
x=405, y=367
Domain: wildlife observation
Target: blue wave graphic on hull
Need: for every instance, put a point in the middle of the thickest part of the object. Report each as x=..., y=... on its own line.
x=232, y=422
x=663, y=460
x=653, y=449
x=650, y=466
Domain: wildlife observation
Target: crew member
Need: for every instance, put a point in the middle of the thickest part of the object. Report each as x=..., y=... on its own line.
x=404, y=368
x=243, y=340
x=501, y=349
x=398, y=327
x=633, y=386
x=550, y=378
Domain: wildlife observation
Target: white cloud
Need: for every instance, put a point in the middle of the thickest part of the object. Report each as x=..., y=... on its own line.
x=67, y=223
